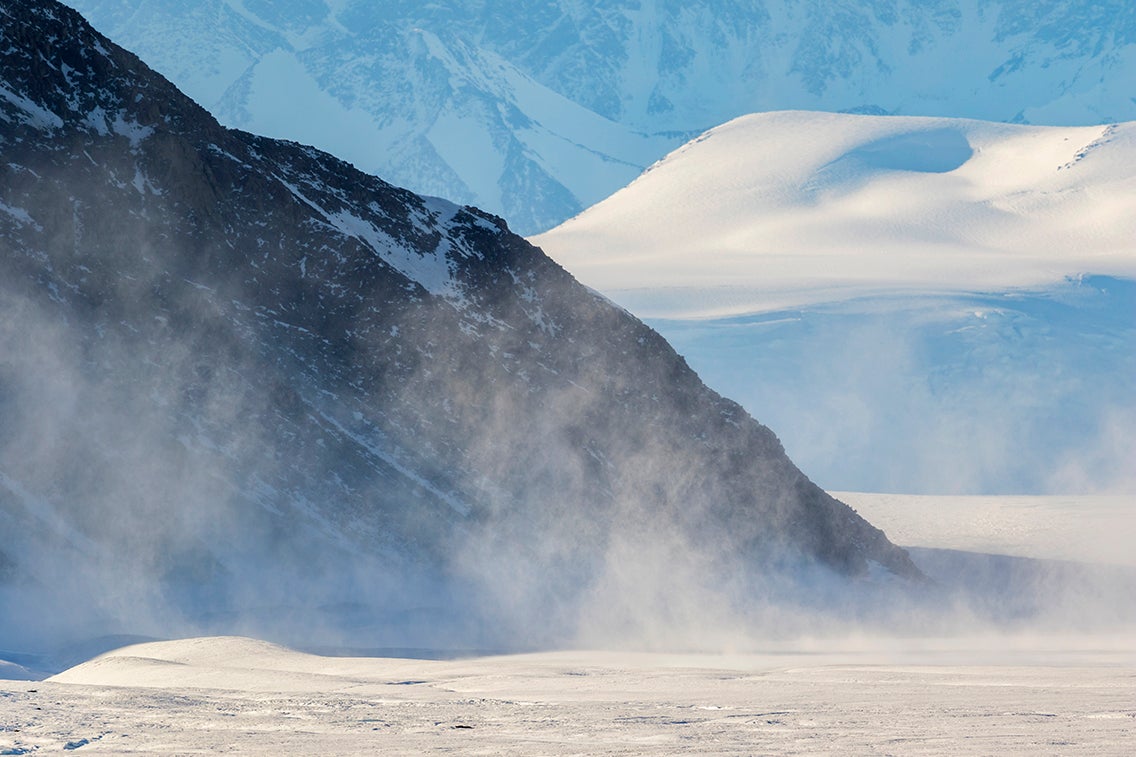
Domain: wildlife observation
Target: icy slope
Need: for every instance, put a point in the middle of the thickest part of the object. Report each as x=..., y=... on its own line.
x=918, y=305
x=537, y=110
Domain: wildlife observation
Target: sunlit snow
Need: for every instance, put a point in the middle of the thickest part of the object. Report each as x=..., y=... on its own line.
x=912, y=304
x=780, y=210
x=1019, y=696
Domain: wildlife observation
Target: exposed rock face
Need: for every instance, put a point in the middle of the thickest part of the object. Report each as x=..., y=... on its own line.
x=247, y=368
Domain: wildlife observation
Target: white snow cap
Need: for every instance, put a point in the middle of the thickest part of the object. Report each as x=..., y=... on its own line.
x=790, y=208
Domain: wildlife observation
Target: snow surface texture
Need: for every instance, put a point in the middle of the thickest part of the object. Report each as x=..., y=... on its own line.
x=222, y=694
x=919, y=305
x=537, y=110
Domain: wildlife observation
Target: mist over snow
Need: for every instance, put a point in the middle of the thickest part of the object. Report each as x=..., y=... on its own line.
x=916, y=305
x=247, y=388
x=535, y=111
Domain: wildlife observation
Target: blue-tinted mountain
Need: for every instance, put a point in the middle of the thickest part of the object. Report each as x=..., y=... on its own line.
x=537, y=110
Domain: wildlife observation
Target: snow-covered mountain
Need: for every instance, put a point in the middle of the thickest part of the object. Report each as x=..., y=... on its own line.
x=242, y=382
x=537, y=110
x=919, y=305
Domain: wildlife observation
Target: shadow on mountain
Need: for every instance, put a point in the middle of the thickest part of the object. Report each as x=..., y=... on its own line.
x=931, y=151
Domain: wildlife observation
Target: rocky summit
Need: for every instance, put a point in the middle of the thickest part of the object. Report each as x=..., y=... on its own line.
x=239, y=377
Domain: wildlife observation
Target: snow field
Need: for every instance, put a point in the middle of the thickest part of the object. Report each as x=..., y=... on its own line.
x=1088, y=529
x=789, y=209
x=206, y=695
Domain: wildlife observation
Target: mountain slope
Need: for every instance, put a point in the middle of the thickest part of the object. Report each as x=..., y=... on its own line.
x=538, y=110
x=920, y=305
x=244, y=383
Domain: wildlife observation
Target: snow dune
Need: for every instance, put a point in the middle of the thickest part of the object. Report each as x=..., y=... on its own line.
x=789, y=209
x=238, y=663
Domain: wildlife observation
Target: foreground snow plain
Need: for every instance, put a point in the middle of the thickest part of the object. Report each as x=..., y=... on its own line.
x=221, y=694
x=1019, y=693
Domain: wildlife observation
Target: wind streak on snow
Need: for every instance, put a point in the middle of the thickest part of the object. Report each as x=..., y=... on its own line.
x=22, y=216
x=432, y=271
x=34, y=115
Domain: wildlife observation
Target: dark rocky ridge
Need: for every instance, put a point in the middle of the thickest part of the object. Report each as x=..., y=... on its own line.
x=223, y=352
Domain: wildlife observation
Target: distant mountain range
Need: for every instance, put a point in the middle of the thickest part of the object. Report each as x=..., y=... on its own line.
x=537, y=110
x=245, y=385
x=916, y=304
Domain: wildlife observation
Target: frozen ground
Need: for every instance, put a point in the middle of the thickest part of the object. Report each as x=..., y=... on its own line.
x=231, y=694
x=1018, y=693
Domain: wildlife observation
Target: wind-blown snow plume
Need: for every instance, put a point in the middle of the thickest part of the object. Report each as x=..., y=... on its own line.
x=285, y=397
x=247, y=388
